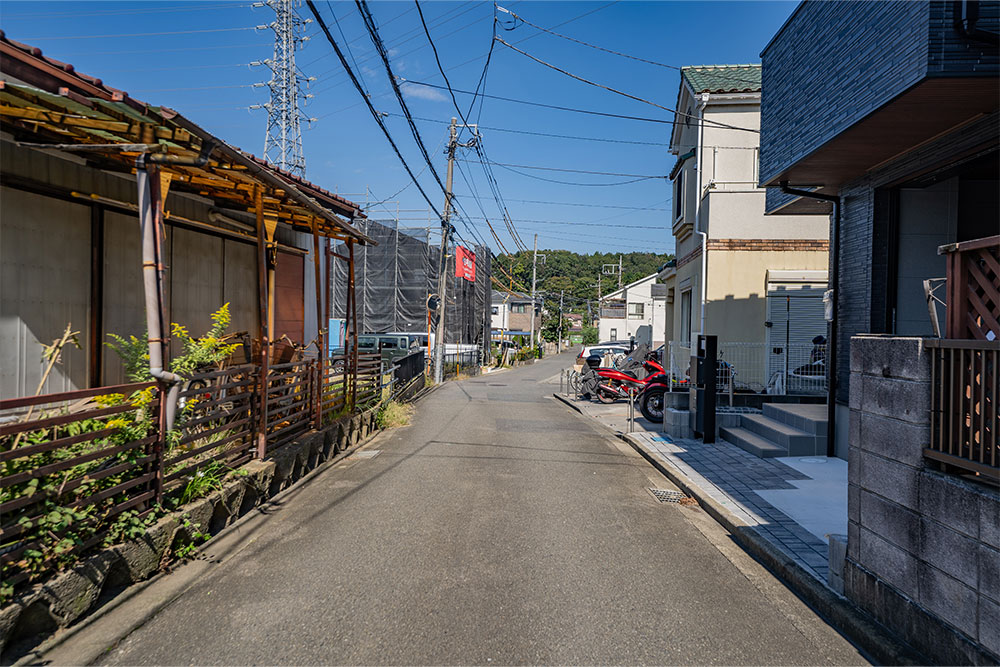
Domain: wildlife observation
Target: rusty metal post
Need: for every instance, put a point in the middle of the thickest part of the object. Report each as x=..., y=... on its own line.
x=264, y=328
x=320, y=324
x=354, y=324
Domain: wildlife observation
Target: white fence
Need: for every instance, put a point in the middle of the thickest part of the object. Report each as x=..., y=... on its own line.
x=756, y=368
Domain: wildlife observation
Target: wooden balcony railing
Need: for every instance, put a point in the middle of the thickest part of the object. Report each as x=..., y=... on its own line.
x=964, y=406
x=973, y=289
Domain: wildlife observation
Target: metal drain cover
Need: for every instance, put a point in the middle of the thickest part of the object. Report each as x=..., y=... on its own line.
x=366, y=454
x=667, y=496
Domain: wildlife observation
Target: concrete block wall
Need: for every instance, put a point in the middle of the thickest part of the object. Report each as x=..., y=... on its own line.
x=923, y=554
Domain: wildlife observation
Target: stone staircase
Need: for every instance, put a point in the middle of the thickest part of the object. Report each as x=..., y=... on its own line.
x=784, y=429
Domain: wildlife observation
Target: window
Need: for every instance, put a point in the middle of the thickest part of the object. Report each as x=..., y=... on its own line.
x=679, y=195
x=686, y=316
x=496, y=310
x=636, y=311
x=614, y=334
x=519, y=308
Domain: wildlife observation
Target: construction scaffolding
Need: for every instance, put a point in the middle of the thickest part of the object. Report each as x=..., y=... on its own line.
x=395, y=278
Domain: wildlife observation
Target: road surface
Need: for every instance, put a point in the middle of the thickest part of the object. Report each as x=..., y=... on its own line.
x=499, y=528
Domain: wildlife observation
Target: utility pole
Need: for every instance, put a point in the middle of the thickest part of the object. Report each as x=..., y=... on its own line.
x=445, y=233
x=534, y=266
x=559, y=340
x=619, y=271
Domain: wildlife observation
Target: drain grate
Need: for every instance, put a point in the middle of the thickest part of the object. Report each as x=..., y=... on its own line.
x=667, y=496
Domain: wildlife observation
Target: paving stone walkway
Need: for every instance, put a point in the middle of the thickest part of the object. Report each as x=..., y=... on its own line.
x=732, y=477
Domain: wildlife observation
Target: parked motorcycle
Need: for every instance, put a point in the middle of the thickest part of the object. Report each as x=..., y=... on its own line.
x=623, y=380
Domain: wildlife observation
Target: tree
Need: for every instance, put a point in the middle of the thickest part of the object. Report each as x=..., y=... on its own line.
x=550, y=327
x=590, y=335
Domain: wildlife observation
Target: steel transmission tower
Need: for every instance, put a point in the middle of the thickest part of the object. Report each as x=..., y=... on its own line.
x=283, y=139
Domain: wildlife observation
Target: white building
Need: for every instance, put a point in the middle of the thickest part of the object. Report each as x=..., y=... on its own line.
x=637, y=309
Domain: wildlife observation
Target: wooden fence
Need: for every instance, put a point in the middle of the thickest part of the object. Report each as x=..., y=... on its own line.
x=965, y=381
x=973, y=296
x=72, y=464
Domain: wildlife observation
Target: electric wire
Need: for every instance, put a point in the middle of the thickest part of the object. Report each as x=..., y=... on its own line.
x=549, y=134
x=721, y=75
x=137, y=34
x=494, y=186
x=555, y=180
x=543, y=105
x=188, y=7
x=377, y=42
x=371, y=109
x=574, y=171
x=713, y=123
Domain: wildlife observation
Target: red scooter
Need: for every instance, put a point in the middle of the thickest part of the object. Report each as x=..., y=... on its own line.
x=623, y=382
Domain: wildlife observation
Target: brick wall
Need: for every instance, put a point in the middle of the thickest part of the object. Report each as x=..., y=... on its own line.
x=923, y=551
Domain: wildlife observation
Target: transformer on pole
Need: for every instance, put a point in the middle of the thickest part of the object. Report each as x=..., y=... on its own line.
x=283, y=138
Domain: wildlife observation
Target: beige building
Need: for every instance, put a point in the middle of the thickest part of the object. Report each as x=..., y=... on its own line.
x=739, y=275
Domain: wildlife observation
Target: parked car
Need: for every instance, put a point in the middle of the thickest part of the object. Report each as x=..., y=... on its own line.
x=391, y=346
x=600, y=350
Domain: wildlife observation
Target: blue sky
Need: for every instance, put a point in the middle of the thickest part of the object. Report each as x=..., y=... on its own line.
x=203, y=72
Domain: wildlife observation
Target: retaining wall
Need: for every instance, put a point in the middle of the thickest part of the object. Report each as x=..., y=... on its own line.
x=71, y=594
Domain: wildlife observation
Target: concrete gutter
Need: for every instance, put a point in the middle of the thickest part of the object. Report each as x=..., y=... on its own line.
x=870, y=636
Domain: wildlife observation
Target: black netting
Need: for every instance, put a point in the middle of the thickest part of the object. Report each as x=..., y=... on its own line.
x=394, y=278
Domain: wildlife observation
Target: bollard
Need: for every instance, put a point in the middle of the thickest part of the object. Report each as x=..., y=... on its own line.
x=631, y=411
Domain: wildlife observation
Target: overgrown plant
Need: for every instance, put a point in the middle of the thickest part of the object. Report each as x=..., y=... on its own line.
x=394, y=414
x=198, y=353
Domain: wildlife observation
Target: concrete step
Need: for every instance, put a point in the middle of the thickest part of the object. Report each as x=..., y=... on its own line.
x=752, y=442
x=795, y=441
x=808, y=417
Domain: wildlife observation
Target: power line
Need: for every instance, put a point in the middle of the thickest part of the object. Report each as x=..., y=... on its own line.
x=480, y=150
x=549, y=134
x=577, y=171
x=188, y=7
x=369, y=22
x=721, y=75
x=566, y=203
x=137, y=34
x=624, y=94
x=183, y=48
x=553, y=180
x=540, y=104
x=580, y=224
x=371, y=109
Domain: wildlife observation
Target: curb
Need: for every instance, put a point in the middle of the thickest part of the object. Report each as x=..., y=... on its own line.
x=869, y=635
x=195, y=568
x=866, y=633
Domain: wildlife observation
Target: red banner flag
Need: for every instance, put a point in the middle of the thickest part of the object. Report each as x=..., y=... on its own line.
x=465, y=264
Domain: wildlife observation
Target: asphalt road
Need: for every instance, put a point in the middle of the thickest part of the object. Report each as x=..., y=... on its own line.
x=499, y=528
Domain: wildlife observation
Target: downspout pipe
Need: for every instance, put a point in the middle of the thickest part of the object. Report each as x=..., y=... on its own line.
x=702, y=103
x=153, y=268
x=831, y=352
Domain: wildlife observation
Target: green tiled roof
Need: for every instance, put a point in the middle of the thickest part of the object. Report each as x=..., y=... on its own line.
x=723, y=78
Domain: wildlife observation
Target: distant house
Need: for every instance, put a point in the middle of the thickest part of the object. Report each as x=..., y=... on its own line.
x=511, y=316
x=890, y=124
x=739, y=275
x=633, y=311
x=575, y=334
